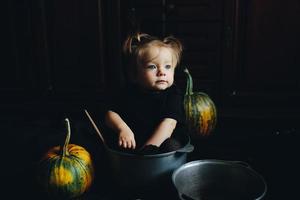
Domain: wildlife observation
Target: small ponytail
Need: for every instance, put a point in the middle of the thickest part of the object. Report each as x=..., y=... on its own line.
x=174, y=44
x=134, y=41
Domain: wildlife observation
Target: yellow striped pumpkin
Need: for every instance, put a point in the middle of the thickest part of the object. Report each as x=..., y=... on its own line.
x=200, y=110
x=66, y=172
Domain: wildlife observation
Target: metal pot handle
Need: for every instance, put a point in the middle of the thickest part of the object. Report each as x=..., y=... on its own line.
x=185, y=197
x=241, y=163
x=187, y=149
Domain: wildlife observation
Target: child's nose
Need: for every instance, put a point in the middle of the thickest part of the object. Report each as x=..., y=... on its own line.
x=161, y=72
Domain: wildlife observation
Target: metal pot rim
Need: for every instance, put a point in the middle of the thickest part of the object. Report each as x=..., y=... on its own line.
x=216, y=161
x=188, y=145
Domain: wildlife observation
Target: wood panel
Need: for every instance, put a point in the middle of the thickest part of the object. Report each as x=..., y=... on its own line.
x=74, y=39
x=264, y=71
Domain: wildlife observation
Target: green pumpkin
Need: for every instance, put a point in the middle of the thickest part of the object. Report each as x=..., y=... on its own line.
x=200, y=110
x=66, y=172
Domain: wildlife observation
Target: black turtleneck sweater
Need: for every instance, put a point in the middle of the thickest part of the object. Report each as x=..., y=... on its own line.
x=143, y=110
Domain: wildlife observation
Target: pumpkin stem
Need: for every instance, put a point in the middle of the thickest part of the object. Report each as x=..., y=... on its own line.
x=189, y=84
x=65, y=147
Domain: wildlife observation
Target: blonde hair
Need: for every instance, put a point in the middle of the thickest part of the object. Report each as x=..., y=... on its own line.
x=137, y=45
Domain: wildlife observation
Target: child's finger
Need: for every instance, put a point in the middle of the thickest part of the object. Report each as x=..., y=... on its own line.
x=124, y=144
x=120, y=143
x=133, y=144
x=128, y=144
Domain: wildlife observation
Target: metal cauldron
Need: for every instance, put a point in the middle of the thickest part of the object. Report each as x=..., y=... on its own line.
x=218, y=180
x=141, y=171
x=133, y=171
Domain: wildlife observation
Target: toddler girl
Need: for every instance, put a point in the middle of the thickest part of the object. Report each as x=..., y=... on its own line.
x=146, y=115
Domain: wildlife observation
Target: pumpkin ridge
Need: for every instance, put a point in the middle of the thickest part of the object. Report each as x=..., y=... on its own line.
x=86, y=169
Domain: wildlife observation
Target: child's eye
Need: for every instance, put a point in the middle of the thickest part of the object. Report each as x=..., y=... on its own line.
x=168, y=66
x=151, y=66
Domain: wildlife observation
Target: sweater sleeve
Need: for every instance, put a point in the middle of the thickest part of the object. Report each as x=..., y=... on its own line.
x=174, y=105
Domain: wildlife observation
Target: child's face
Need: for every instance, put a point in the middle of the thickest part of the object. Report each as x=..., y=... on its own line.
x=157, y=72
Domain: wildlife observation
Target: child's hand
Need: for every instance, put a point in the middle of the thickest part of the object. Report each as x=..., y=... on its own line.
x=126, y=139
x=149, y=150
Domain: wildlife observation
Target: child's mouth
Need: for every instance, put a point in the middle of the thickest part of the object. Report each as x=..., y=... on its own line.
x=161, y=82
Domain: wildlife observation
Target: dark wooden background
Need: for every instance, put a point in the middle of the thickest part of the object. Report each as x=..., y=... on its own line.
x=64, y=54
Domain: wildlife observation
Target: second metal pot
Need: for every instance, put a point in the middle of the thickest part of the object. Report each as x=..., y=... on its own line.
x=218, y=180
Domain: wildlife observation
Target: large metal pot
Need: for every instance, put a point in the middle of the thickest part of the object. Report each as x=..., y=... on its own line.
x=218, y=180
x=134, y=171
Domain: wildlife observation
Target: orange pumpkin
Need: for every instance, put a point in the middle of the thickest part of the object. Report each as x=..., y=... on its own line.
x=66, y=171
x=200, y=110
